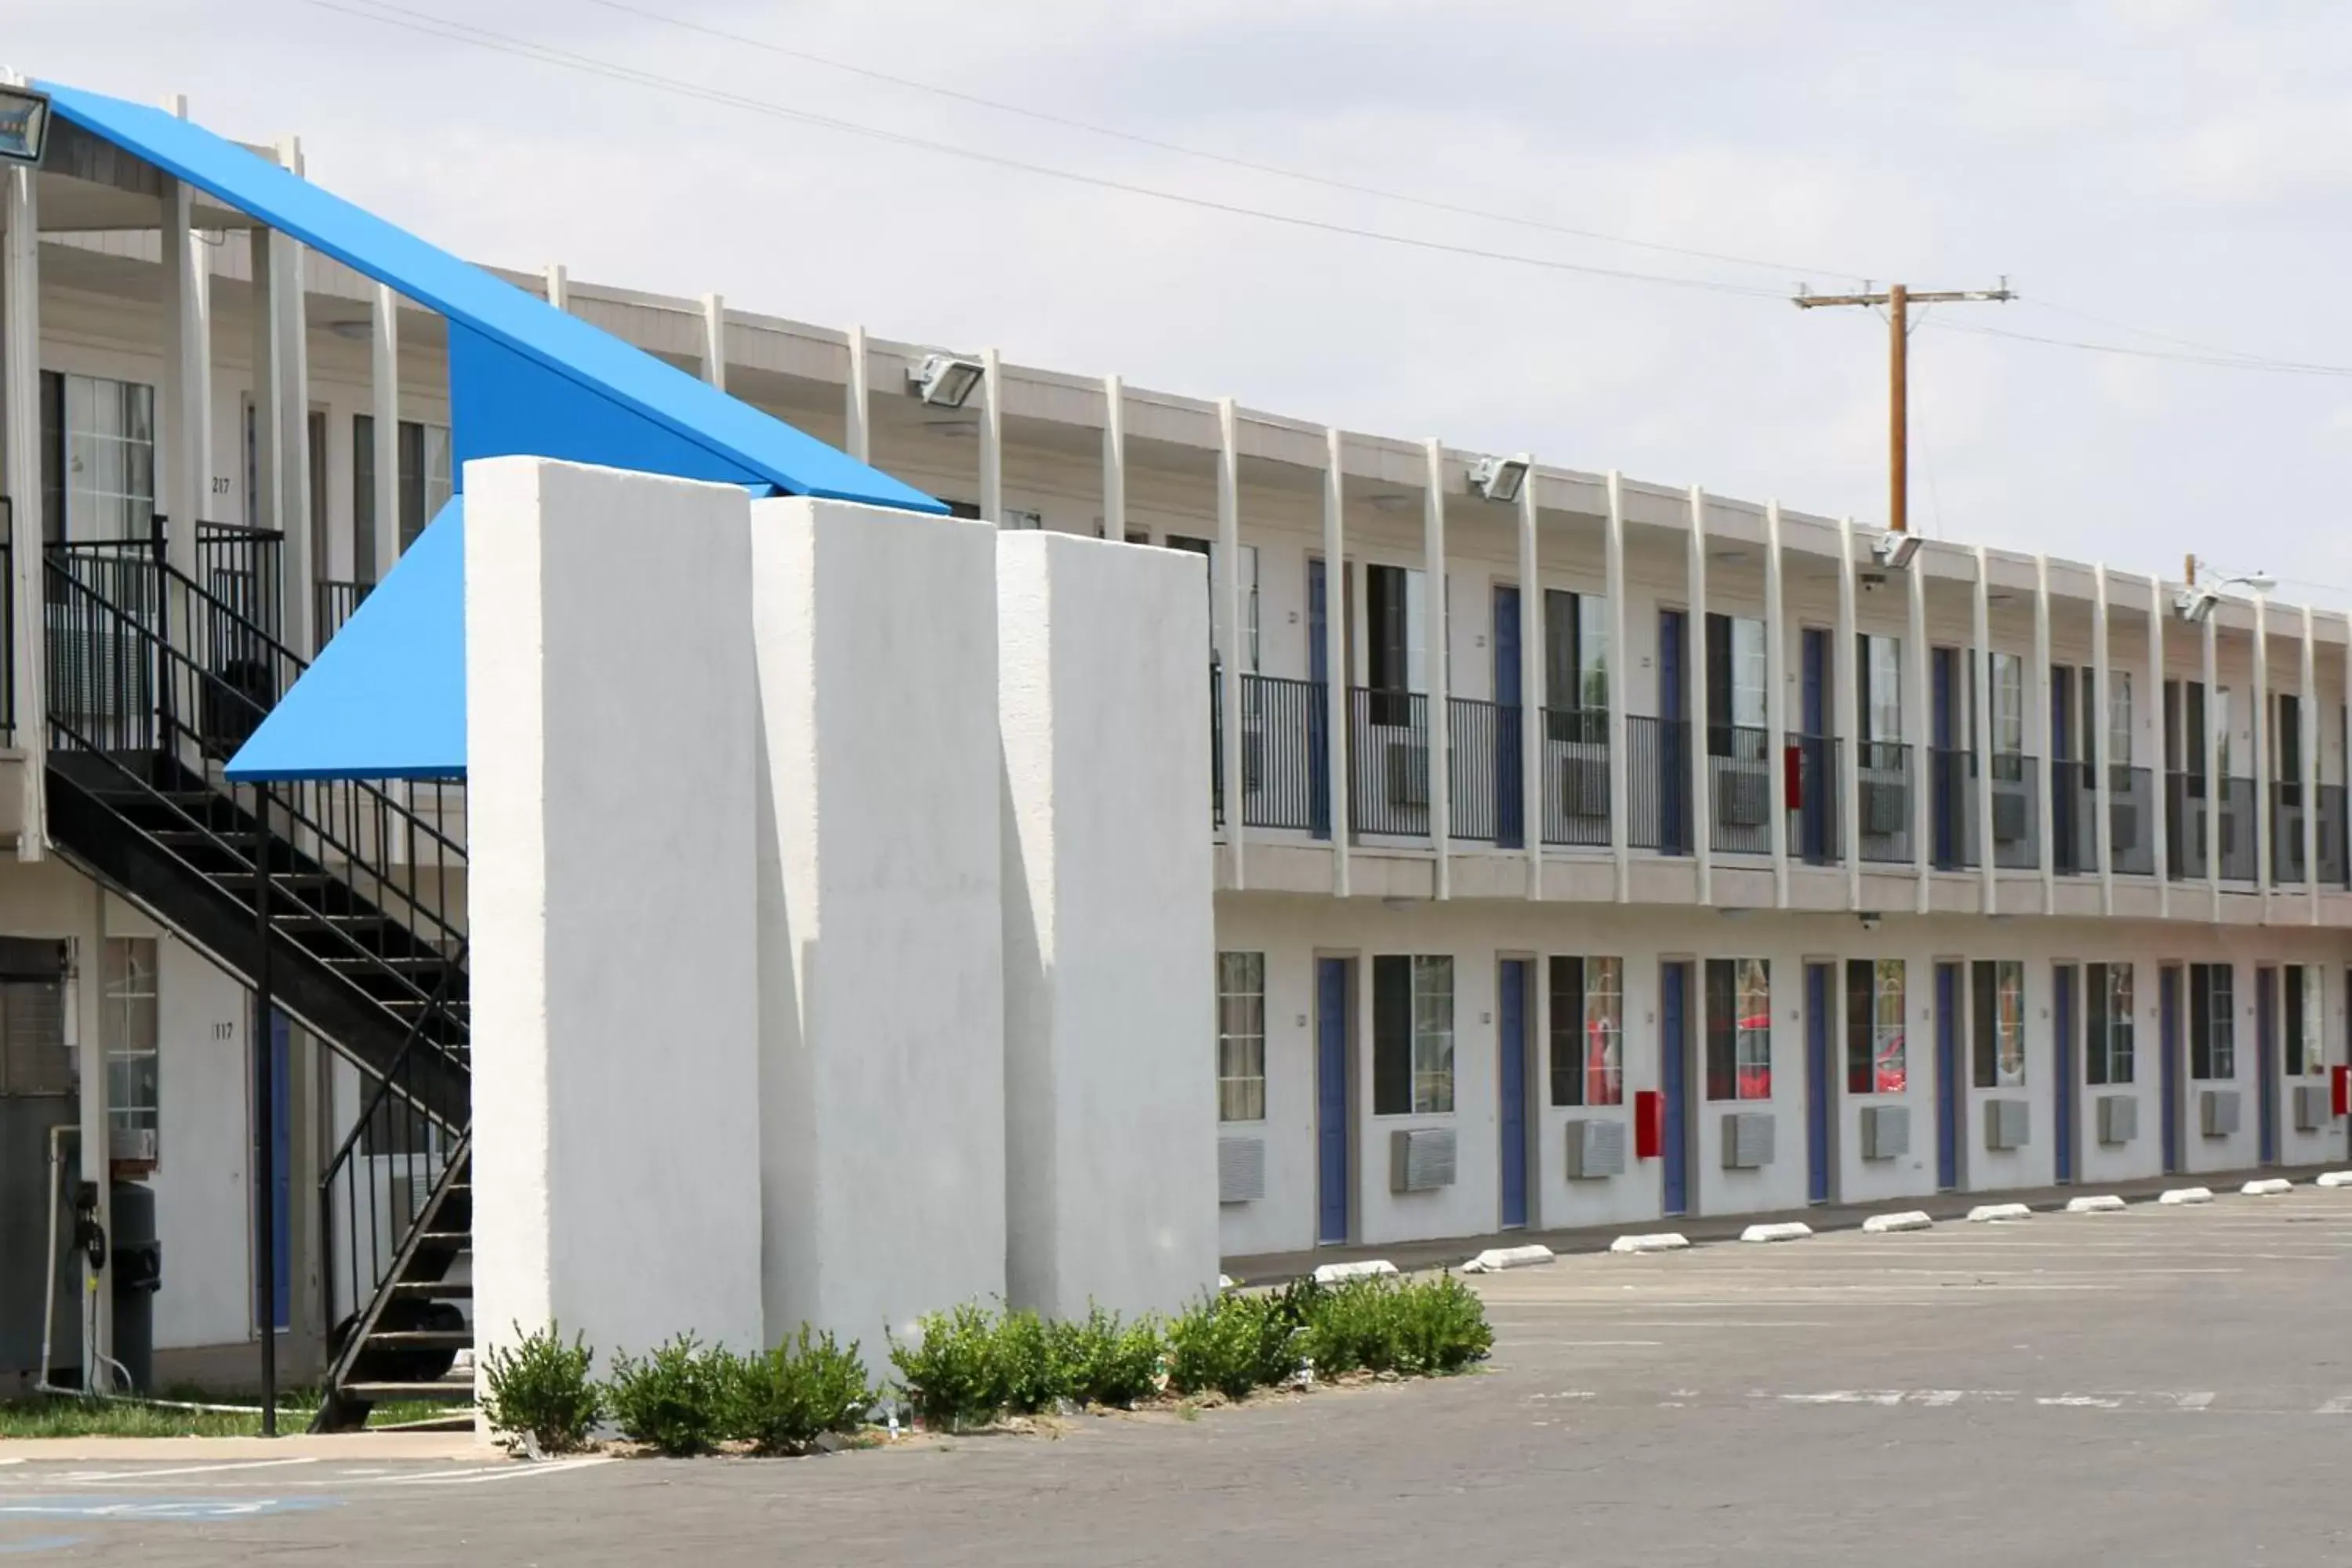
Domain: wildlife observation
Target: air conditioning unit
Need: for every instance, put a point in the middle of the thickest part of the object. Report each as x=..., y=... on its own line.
x=1886, y=1132
x=2313, y=1107
x=1584, y=785
x=2217, y=1112
x=1742, y=797
x=1420, y=1159
x=2118, y=1118
x=1408, y=773
x=1241, y=1170
x=1747, y=1140
x=1596, y=1148
x=1885, y=808
x=2009, y=815
x=2008, y=1123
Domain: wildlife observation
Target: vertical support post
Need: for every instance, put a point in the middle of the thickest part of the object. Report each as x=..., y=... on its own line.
x=2163, y=813
x=1336, y=599
x=1226, y=623
x=1114, y=459
x=184, y=464
x=2046, y=806
x=286, y=296
x=857, y=410
x=1776, y=718
x=1441, y=715
x=383, y=404
x=1846, y=674
x=2307, y=716
x=2217, y=781
x=991, y=438
x=1980, y=764
x=559, y=285
x=2261, y=733
x=1919, y=707
x=20, y=476
x=714, y=339
x=1702, y=799
x=2103, y=774
x=1620, y=805
x=264, y=1145
x=1533, y=699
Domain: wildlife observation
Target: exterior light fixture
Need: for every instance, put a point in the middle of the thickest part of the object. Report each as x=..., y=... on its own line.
x=23, y=124
x=944, y=381
x=1499, y=478
x=1894, y=550
x=2195, y=605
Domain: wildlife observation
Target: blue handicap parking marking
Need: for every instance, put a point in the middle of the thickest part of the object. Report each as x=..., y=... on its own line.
x=136, y=1510
x=39, y=1543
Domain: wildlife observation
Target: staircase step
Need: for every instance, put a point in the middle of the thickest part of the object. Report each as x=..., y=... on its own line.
x=463, y=1241
x=435, y=1290
x=383, y=1393
x=427, y=1339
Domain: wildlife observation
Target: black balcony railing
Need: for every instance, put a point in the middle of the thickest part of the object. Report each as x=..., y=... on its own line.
x=1216, y=746
x=1575, y=776
x=1951, y=808
x=2074, y=819
x=1814, y=782
x=2287, y=867
x=1657, y=785
x=1882, y=807
x=2187, y=828
x=1285, y=759
x=2131, y=821
x=1483, y=782
x=1739, y=789
x=239, y=566
x=2235, y=838
x=2016, y=786
x=1388, y=761
x=335, y=602
x=2332, y=870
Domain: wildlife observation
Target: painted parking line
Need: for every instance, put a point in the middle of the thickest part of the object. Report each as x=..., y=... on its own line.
x=172, y=1509
x=507, y=1472
x=38, y=1544
x=80, y=1477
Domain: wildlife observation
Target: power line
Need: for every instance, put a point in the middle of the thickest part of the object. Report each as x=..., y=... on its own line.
x=2226, y=361
x=1094, y=128
x=504, y=43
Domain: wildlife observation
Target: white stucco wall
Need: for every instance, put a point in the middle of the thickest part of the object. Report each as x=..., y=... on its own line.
x=1110, y=1153
x=881, y=1046
x=613, y=955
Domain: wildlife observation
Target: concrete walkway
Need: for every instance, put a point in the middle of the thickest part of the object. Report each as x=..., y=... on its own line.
x=1276, y=1268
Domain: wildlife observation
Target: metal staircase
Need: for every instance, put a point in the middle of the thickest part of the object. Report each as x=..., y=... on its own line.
x=352, y=893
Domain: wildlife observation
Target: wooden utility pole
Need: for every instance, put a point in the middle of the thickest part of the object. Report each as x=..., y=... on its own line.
x=1898, y=301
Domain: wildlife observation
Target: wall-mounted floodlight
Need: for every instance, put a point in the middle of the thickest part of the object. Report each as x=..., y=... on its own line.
x=1894, y=550
x=1499, y=478
x=944, y=381
x=23, y=124
x=2195, y=605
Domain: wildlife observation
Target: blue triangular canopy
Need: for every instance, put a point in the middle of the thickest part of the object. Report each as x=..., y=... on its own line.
x=525, y=379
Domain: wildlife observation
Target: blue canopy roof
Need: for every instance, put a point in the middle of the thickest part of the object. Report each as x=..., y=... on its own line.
x=386, y=698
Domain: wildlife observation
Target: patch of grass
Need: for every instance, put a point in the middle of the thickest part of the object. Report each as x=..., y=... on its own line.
x=59, y=1415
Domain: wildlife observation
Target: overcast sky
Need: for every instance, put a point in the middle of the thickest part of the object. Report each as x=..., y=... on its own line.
x=2167, y=166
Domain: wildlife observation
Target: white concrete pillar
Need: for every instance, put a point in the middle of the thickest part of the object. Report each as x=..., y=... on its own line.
x=1620, y=803
x=991, y=438
x=714, y=340
x=1532, y=698
x=1109, y=930
x=2217, y=783
x=2158, y=770
x=185, y=465
x=1336, y=752
x=2261, y=733
x=1114, y=459
x=1776, y=718
x=617, y=1192
x=882, y=1124
x=383, y=404
x=1229, y=631
x=1702, y=801
x=1441, y=686
x=20, y=471
x=2046, y=790
x=1920, y=720
x=2307, y=712
x=858, y=401
x=1982, y=741
x=559, y=285
x=1844, y=666
x=2103, y=777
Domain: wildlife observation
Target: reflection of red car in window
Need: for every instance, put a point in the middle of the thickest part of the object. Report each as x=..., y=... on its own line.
x=1887, y=1076
x=1602, y=1084
x=1756, y=1078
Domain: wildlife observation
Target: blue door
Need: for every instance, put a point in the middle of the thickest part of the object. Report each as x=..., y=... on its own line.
x=2266, y=1062
x=2066, y=784
x=1948, y=1077
x=2061, y=1014
x=1816, y=773
x=1508, y=779
x=2167, y=1068
x=1512, y=1078
x=1319, y=712
x=1674, y=762
x=1942, y=732
x=1333, y=983
x=1818, y=1028
x=1673, y=1051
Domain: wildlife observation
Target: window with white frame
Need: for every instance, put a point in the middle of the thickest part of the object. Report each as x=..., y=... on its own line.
x=1881, y=697
x=1413, y=1035
x=2008, y=704
x=1207, y=548
x=1241, y=1036
x=2000, y=1020
x=1738, y=1028
x=1875, y=1039
x=2119, y=719
x=2212, y=1021
x=1576, y=665
x=2107, y=1044
x=1588, y=1031
x=98, y=443
x=128, y=1029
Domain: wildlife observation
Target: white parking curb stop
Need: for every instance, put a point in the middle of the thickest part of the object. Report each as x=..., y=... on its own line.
x=1340, y=1273
x=1909, y=1219
x=1787, y=1230
x=2102, y=1203
x=2178, y=1195
x=2267, y=1187
x=1495, y=1260
x=2335, y=1179
x=1984, y=1212
x=1660, y=1241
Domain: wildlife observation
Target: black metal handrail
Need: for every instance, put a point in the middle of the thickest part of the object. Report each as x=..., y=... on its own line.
x=239, y=567
x=1285, y=759
x=336, y=599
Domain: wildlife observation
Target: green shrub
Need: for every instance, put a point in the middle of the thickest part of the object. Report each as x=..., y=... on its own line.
x=1440, y=1327
x=782, y=1402
x=541, y=1389
x=1032, y=1361
x=1218, y=1343
x=1350, y=1327
x=1112, y=1363
x=950, y=1372
x=675, y=1399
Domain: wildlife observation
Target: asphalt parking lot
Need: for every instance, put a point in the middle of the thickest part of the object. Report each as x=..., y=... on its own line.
x=2162, y=1385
